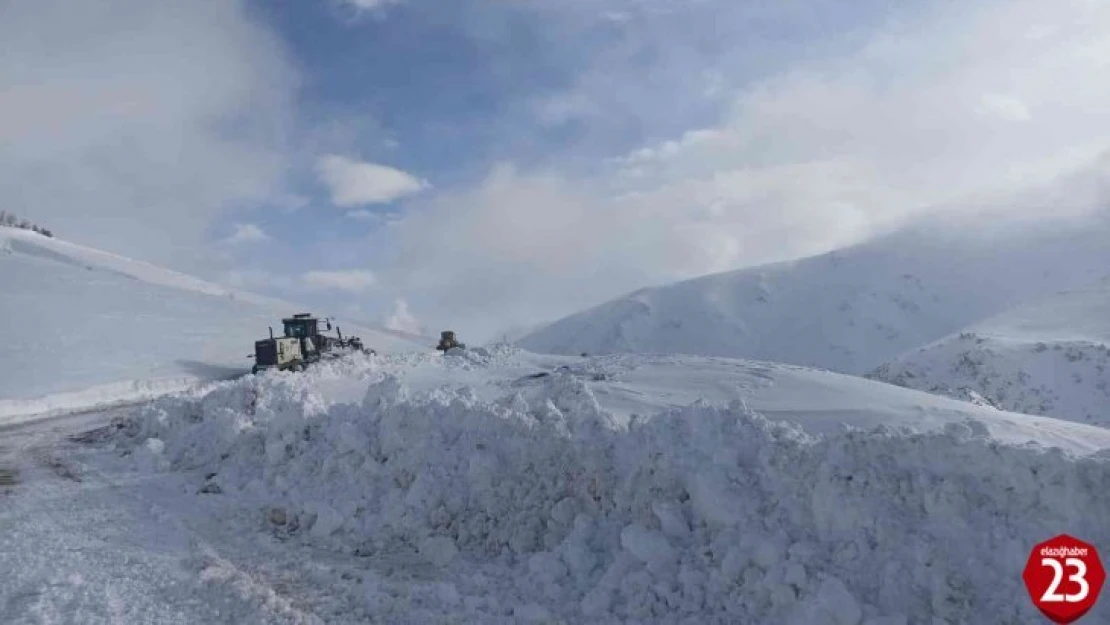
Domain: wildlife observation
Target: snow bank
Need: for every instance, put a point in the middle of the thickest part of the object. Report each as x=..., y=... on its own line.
x=97, y=397
x=84, y=324
x=1065, y=380
x=1048, y=357
x=541, y=507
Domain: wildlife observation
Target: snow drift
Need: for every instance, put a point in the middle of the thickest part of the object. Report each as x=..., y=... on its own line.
x=539, y=506
x=850, y=310
x=1051, y=357
x=86, y=327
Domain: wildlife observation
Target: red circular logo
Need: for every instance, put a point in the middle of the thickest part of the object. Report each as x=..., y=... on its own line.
x=1064, y=576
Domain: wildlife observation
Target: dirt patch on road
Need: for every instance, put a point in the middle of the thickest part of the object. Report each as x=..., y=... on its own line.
x=61, y=469
x=8, y=477
x=100, y=434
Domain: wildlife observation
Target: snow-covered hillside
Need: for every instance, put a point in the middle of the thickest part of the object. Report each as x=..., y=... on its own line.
x=497, y=486
x=1051, y=357
x=84, y=326
x=851, y=310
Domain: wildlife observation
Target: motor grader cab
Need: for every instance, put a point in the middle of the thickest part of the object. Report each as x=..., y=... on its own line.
x=301, y=345
x=306, y=328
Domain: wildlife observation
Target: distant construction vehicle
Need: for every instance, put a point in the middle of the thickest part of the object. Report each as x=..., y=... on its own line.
x=302, y=345
x=447, y=341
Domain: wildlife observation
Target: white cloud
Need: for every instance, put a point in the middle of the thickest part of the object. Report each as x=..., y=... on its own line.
x=519, y=244
x=562, y=108
x=818, y=156
x=353, y=281
x=249, y=279
x=402, y=319
x=369, y=5
x=289, y=202
x=353, y=183
x=361, y=214
x=846, y=133
x=1004, y=107
x=131, y=125
x=247, y=233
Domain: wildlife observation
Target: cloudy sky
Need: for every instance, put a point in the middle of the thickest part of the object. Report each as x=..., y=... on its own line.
x=485, y=164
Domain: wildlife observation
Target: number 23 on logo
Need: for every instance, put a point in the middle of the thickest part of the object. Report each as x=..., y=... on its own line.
x=1064, y=576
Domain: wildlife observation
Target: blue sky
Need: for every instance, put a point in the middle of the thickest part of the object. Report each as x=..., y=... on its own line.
x=447, y=91
x=484, y=164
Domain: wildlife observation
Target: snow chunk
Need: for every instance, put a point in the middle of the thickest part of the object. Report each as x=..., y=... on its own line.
x=438, y=550
x=832, y=604
x=532, y=613
x=150, y=456
x=547, y=567
x=671, y=519
x=649, y=546
x=715, y=499
x=327, y=522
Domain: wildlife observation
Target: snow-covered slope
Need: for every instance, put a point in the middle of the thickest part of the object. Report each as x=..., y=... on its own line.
x=1051, y=357
x=851, y=310
x=503, y=487
x=82, y=327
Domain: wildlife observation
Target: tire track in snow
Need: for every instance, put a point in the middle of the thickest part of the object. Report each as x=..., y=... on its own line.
x=86, y=546
x=216, y=571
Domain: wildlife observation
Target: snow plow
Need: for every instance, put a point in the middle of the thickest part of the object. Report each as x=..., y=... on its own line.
x=302, y=345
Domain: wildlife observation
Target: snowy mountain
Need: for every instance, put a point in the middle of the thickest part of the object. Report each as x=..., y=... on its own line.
x=84, y=326
x=1051, y=357
x=496, y=486
x=850, y=310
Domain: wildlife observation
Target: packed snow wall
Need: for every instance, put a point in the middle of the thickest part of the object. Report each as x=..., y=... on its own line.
x=538, y=506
